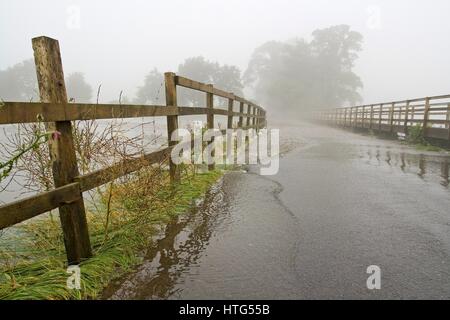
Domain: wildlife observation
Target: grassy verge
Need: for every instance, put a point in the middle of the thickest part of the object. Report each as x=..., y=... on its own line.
x=34, y=262
x=416, y=138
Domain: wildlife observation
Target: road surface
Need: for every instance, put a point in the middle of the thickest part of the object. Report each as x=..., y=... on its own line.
x=341, y=202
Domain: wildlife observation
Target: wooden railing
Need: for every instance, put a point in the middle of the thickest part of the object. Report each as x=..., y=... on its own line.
x=59, y=114
x=431, y=113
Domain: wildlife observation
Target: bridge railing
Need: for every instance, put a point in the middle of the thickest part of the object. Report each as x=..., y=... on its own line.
x=57, y=113
x=431, y=113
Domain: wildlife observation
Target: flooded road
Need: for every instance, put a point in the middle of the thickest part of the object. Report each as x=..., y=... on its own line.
x=340, y=203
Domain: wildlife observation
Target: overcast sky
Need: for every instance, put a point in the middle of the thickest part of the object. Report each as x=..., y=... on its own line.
x=115, y=43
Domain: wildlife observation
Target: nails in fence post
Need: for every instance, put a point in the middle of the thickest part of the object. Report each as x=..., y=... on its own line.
x=52, y=89
x=210, y=116
x=172, y=121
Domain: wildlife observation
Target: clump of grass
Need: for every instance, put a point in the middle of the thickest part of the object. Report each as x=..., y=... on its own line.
x=34, y=262
x=416, y=137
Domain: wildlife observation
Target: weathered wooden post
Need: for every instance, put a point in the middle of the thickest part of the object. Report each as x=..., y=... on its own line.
x=391, y=117
x=241, y=117
x=380, y=117
x=426, y=116
x=371, y=117
x=210, y=116
x=172, y=121
x=249, y=111
x=345, y=117
x=352, y=117
x=230, y=110
x=447, y=124
x=405, y=123
x=52, y=89
x=363, y=116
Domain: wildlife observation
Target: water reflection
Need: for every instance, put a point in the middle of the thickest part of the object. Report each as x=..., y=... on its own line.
x=426, y=167
x=180, y=247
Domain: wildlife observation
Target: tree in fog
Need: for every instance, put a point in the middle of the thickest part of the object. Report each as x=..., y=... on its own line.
x=224, y=77
x=304, y=75
x=228, y=78
x=152, y=91
x=19, y=83
x=78, y=90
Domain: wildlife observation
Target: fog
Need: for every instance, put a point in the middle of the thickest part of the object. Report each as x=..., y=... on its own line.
x=405, y=50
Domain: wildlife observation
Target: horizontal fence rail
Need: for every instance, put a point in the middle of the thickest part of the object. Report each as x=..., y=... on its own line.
x=69, y=185
x=430, y=113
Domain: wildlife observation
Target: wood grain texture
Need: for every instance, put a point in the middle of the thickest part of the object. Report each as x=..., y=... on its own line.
x=22, y=210
x=103, y=176
x=172, y=121
x=52, y=89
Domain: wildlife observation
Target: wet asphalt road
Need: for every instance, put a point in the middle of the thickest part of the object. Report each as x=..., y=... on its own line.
x=340, y=203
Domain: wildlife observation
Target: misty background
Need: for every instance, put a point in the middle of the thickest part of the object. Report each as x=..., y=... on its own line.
x=397, y=49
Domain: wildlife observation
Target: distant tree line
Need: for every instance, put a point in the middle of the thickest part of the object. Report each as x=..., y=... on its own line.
x=291, y=75
x=303, y=75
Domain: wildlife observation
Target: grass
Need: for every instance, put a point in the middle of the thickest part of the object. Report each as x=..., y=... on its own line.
x=33, y=259
x=416, y=138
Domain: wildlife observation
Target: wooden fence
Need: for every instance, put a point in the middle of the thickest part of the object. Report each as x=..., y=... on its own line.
x=431, y=113
x=55, y=110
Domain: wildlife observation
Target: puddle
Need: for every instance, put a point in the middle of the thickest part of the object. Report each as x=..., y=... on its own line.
x=179, y=247
x=430, y=168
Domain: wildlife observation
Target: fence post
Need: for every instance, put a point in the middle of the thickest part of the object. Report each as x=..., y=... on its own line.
x=210, y=116
x=426, y=116
x=405, y=124
x=353, y=117
x=365, y=114
x=52, y=88
x=248, y=113
x=371, y=117
x=241, y=117
x=172, y=121
x=345, y=118
x=380, y=118
x=391, y=117
x=447, y=124
x=230, y=110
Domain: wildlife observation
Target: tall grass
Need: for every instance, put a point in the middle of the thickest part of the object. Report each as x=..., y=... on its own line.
x=33, y=262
